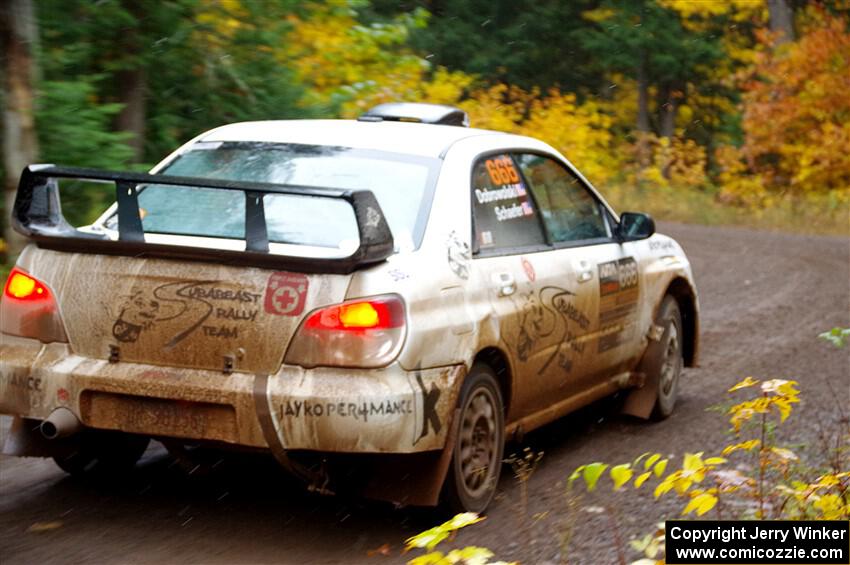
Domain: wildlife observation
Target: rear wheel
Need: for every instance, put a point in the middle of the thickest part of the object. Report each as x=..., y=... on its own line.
x=479, y=445
x=670, y=363
x=100, y=451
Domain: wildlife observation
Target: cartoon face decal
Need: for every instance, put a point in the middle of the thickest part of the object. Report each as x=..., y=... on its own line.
x=548, y=316
x=458, y=255
x=138, y=313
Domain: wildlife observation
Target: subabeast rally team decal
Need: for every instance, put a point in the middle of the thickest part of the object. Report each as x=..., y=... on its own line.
x=214, y=309
x=211, y=306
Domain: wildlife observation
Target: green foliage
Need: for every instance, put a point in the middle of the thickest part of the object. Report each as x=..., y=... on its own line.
x=836, y=336
x=591, y=474
x=631, y=33
x=205, y=64
x=531, y=45
x=74, y=129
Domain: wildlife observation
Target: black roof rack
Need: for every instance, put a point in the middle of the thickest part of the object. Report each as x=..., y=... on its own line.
x=417, y=113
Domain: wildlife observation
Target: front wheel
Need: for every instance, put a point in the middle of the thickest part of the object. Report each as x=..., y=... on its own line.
x=479, y=445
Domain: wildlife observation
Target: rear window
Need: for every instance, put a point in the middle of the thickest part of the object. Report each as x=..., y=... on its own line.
x=402, y=184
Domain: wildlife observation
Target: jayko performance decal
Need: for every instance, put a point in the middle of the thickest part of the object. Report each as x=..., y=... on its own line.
x=419, y=408
x=618, y=297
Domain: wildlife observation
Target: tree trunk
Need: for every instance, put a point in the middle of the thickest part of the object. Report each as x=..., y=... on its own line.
x=132, y=82
x=669, y=100
x=18, y=36
x=781, y=21
x=132, y=91
x=643, y=116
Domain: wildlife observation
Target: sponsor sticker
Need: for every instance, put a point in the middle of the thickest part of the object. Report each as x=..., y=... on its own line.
x=529, y=269
x=286, y=294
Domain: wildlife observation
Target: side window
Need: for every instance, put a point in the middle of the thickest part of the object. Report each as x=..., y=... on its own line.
x=569, y=210
x=505, y=214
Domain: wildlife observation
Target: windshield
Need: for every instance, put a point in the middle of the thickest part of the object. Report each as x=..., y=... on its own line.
x=403, y=185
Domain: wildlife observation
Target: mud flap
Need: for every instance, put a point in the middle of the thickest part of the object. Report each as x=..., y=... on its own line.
x=415, y=479
x=641, y=401
x=316, y=482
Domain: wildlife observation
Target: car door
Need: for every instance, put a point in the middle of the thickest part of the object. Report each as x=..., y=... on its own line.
x=510, y=256
x=600, y=307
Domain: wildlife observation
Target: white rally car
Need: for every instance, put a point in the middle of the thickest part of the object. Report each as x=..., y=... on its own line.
x=380, y=303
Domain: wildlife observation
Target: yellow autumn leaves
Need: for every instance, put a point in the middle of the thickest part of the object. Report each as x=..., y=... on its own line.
x=703, y=481
x=777, y=393
x=429, y=539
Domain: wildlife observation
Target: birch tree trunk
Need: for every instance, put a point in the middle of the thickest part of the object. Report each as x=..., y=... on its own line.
x=18, y=36
x=643, y=127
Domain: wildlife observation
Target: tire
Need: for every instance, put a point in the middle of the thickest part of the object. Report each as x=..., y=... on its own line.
x=100, y=452
x=670, y=362
x=477, y=456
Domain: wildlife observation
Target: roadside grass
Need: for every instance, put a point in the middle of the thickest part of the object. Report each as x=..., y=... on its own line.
x=819, y=214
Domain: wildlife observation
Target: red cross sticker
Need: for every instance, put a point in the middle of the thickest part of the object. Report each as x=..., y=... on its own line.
x=286, y=294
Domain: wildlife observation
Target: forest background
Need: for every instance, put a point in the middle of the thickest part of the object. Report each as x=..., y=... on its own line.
x=709, y=111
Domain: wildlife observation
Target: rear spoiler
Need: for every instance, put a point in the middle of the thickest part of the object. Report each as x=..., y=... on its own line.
x=38, y=214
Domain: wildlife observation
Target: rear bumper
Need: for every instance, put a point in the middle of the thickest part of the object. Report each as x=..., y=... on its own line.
x=387, y=410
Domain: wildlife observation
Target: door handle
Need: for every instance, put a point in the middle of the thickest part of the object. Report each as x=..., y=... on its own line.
x=505, y=283
x=584, y=271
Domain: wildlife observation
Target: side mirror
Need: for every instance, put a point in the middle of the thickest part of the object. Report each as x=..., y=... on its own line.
x=634, y=226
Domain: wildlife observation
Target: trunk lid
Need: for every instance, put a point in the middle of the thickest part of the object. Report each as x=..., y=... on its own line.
x=181, y=314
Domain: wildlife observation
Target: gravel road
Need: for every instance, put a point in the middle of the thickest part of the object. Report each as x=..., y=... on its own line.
x=764, y=296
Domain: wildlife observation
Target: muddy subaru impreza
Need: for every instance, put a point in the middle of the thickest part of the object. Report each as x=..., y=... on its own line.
x=379, y=303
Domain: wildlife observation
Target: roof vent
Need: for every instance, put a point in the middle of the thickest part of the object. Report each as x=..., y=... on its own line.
x=417, y=113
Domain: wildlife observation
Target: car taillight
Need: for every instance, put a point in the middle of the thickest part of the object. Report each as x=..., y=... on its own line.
x=28, y=309
x=358, y=333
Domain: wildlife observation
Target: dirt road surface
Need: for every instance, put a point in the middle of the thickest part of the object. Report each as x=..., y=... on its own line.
x=764, y=297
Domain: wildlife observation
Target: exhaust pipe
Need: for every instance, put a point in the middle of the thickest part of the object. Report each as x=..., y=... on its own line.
x=61, y=423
